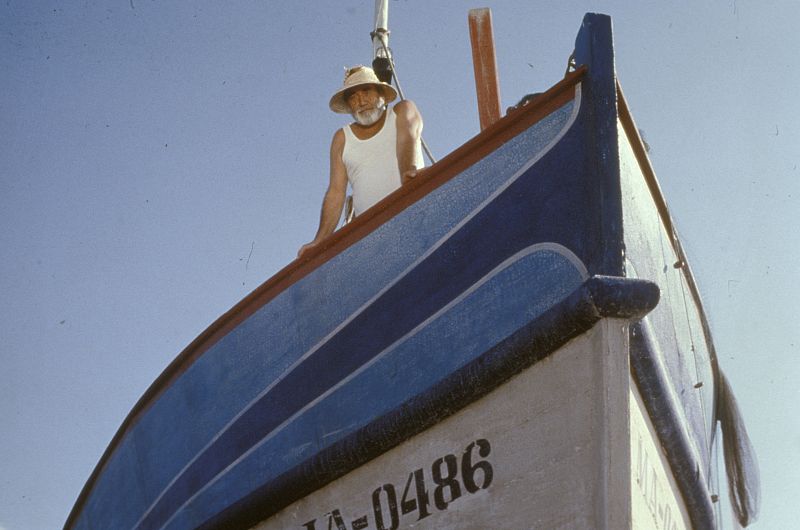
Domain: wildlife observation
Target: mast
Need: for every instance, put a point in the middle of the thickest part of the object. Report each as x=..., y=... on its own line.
x=383, y=63
x=382, y=60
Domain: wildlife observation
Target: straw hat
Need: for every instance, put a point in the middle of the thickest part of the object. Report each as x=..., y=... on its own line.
x=359, y=76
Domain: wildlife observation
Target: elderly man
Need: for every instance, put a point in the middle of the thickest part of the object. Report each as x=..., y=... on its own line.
x=377, y=153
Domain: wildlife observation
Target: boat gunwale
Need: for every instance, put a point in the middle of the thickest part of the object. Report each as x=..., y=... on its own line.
x=428, y=179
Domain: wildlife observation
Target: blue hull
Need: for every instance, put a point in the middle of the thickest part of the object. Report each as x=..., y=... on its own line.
x=503, y=251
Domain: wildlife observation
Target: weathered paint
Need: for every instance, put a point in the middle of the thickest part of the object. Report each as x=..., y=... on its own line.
x=559, y=452
x=670, y=351
x=650, y=255
x=594, y=47
x=338, y=385
x=656, y=500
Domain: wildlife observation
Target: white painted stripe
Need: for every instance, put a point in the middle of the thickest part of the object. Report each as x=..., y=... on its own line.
x=337, y=329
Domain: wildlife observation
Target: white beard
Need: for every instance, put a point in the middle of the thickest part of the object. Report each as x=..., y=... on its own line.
x=370, y=116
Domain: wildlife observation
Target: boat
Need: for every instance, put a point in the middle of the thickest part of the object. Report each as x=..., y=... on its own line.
x=512, y=340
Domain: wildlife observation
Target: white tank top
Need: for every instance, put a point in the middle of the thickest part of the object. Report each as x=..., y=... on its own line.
x=372, y=164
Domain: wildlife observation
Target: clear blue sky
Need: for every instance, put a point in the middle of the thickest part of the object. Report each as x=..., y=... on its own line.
x=160, y=160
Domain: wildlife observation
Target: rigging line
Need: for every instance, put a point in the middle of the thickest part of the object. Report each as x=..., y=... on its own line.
x=400, y=92
x=706, y=421
x=672, y=235
x=681, y=279
x=666, y=276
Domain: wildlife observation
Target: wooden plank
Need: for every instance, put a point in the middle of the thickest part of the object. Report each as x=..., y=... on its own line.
x=487, y=84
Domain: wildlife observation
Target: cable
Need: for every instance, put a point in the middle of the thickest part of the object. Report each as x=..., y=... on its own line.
x=388, y=53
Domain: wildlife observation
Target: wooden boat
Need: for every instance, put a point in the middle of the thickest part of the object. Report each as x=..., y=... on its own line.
x=513, y=340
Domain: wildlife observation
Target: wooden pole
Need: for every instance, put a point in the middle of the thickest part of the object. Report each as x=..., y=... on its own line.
x=484, y=61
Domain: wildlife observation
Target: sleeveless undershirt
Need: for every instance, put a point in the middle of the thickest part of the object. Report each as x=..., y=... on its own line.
x=372, y=163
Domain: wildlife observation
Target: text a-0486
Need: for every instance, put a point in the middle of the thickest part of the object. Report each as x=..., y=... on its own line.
x=425, y=491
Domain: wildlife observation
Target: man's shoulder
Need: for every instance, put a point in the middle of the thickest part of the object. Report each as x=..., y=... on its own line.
x=337, y=143
x=405, y=105
x=406, y=112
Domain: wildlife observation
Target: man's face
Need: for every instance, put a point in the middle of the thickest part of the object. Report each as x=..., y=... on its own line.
x=366, y=105
x=363, y=98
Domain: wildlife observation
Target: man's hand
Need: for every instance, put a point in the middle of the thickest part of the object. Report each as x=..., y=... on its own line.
x=408, y=175
x=306, y=248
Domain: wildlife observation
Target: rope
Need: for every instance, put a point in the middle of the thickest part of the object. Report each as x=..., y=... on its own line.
x=706, y=420
x=388, y=53
x=674, y=316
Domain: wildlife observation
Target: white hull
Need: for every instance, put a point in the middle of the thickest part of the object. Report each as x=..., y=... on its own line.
x=569, y=447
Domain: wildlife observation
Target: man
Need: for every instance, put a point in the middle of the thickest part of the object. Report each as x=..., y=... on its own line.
x=376, y=154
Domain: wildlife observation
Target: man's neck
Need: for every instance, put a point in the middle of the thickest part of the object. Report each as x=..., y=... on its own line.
x=365, y=132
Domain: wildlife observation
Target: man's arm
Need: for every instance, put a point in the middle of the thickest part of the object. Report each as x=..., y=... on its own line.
x=333, y=202
x=409, y=131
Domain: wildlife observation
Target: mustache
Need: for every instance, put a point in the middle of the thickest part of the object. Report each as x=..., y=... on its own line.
x=371, y=115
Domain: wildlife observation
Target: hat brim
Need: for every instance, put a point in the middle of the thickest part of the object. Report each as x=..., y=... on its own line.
x=339, y=104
